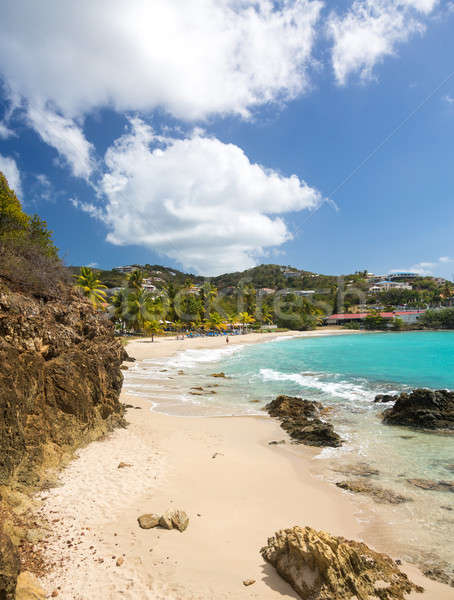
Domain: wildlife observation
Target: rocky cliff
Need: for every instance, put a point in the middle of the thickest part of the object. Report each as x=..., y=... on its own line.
x=60, y=382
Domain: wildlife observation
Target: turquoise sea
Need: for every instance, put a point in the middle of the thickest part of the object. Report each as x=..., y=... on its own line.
x=344, y=372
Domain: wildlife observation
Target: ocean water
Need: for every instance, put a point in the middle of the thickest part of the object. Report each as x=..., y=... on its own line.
x=344, y=372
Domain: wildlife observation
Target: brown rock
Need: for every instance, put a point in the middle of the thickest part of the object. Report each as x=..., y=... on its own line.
x=123, y=465
x=28, y=588
x=300, y=419
x=248, y=582
x=359, y=469
x=428, y=484
x=423, y=409
x=166, y=520
x=148, y=521
x=374, y=491
x=322, y=567
x=180, y=520
x=120, y=561
x=54, y=594
x=218, y=375
x=9, y=566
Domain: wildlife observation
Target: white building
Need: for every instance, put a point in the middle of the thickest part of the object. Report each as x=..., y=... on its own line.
x=384, y=286
x=126, y=269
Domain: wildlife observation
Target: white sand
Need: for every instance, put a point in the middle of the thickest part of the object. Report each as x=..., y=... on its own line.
x=243, y=496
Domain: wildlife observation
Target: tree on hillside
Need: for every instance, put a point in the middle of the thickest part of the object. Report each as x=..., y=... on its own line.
x=13, y=221
x=91, y=287
x=135, y=280
x=28, y=256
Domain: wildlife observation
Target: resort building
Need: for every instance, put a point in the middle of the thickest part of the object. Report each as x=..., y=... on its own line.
x=126, y=269
x=265, y=291
x=305, y=293
x=148, y=285
x=384, y=286
x=402, y=275
x=407, y=316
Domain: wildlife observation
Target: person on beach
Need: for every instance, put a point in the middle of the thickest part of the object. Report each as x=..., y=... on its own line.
x=227, y=340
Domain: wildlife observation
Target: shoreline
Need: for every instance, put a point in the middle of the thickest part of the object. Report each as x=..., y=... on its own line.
x=221, y=468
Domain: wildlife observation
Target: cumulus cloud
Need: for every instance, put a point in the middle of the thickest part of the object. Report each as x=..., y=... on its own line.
x=5, y=131
x=191, y=57
x=370, y=31
x=65, y=136
x=197, y=200
x=10, y=170
x=428, y=267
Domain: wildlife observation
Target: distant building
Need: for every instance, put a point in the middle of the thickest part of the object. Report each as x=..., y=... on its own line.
x=126, y=269
x=408, y=316
x=291, y=274
x=305, y=293
x=384, y=286
x=265, y=291
x=402, y=275
x=148, y=285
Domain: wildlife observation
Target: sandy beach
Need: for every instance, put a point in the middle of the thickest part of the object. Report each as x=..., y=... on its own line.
x=236, y=488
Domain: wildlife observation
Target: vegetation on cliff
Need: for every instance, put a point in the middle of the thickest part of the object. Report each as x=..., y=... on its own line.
x=28, y=257
x=60, y=376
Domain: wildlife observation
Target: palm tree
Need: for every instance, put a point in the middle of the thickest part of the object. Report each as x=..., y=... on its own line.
x=119, y=307
x=135, y=280
x=141, y=308
x=215, y=321
x=91, y=287
x=267, y=315
x=152, y=327
x=245, y=319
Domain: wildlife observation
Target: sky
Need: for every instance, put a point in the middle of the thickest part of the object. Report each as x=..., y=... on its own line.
x=214, y=135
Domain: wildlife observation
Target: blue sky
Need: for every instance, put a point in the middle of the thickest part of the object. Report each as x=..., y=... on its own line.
x=212, y=136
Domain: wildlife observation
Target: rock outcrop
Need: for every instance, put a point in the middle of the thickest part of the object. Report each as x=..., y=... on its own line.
x=423, y=409
x=428, y=484
x=301, y=420
x=60, y=382
x=384, y=398
x=376, y=492
x=320, y=566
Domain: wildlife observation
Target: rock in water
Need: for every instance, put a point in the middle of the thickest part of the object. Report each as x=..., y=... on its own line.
x=428, y=484
x=424, y=409
x=383, y=398
x=180, y=520
x=148, y=521
x=320, y=566
x=300, y=419
x=374, y=491
x=218, y=375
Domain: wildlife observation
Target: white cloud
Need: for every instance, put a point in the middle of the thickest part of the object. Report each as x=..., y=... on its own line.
x=191, y=57
x=449, y=99
x=5, y=132
x=197, y=200
x=436, y=267
x=370, y=31
x=9, y=169
x=64, y=135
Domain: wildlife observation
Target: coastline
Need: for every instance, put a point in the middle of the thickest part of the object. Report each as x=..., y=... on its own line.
x=243, y=495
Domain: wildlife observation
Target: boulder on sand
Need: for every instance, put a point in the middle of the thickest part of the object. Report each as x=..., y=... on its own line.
x=320, y=566
x=149, y=521
x=300, y=419
x=423, y=409
x=180, y=520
